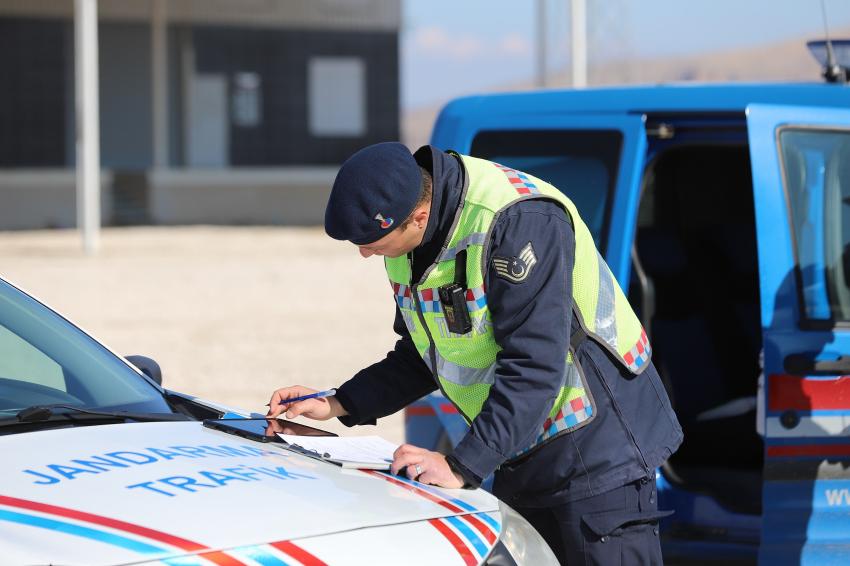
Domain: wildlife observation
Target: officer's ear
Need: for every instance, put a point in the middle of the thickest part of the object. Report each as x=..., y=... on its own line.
x=419, y=217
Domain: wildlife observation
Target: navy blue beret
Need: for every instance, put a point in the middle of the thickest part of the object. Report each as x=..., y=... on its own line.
x=375, y=190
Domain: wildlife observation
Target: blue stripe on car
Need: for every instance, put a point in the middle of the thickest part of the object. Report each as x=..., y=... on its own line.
x=80, y=531
x=494, y=524
x=462, y=504
x=261, y=556
x=469, y=535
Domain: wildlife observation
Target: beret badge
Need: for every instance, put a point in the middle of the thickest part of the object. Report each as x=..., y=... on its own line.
x=385, y=222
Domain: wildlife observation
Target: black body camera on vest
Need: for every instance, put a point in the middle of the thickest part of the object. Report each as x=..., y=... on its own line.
x=453, y=299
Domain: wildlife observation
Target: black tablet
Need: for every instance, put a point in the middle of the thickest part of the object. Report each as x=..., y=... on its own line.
x=264, y=430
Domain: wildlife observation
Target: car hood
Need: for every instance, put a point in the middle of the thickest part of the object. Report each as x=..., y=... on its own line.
x=148, y=491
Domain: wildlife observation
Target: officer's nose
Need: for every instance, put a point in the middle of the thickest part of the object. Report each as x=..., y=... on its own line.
x=366, y=252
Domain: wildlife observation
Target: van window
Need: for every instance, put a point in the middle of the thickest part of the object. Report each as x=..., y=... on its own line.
x=816, y=173
x=582, y=164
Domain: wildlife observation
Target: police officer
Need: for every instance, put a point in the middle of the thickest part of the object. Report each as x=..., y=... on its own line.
x=504, y=304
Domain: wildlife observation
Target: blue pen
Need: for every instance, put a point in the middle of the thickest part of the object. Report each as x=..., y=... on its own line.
x=318, y=395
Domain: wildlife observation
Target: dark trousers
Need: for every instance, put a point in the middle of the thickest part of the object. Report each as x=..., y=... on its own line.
x=618, y=527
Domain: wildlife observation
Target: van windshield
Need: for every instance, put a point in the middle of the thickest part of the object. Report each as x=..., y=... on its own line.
x=581, y=163
x=816, y=172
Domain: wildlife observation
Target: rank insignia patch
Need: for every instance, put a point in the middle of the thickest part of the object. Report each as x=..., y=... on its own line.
x=516, y=269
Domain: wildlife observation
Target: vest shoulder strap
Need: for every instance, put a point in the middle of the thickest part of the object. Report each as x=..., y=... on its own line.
x=577, y=335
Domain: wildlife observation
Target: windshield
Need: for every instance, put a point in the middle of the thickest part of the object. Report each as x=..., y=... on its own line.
x=46, y=360
x=581, y=164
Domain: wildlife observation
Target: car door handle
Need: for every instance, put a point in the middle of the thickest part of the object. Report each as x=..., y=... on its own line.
x=803, y=364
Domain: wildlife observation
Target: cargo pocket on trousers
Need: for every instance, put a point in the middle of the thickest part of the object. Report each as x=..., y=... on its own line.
x=613, y=523
x=622, y=538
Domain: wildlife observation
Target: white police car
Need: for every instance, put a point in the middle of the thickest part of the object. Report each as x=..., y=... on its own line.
x=101, y=465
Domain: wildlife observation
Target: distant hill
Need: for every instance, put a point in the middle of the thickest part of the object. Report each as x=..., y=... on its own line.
x=784, y=61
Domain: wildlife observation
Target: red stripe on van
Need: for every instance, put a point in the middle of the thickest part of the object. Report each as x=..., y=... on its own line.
x=823, y=450
x=808, y=394
x=428, y=410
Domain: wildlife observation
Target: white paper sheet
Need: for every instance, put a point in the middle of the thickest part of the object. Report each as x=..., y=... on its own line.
x=367, y=449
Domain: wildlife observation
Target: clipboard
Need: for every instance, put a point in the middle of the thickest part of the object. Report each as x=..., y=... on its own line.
x=360, y=452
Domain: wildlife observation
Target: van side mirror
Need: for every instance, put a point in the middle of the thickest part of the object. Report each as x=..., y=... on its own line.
x=147, y=366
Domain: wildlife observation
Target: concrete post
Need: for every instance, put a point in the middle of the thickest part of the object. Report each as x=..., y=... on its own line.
x=579, y=30
x=88, y=123
x=541, y=43
x=159, y=83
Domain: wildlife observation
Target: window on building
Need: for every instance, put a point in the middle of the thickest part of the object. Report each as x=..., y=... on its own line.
x=247, y=101
x=336, y=96
x=32, y=92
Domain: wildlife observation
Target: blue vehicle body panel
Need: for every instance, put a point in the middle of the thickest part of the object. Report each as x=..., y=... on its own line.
x=421, y=428
x=460, y=118
x=721, y=533
x=806, y=520
x=807, y=523
x=806, y=485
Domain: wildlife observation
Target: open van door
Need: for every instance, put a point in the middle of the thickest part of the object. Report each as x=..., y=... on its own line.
x=800, y=160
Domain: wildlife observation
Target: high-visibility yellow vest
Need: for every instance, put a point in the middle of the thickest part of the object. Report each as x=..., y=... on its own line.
x=464, y=364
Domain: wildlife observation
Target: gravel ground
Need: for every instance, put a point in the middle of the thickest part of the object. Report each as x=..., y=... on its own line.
x=230, y=313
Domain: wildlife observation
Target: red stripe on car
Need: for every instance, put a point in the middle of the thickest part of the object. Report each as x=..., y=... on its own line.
x=480, y=527
x=429, y=496
x=462, y=549
x=297, y=553
x=181, y=543
x=221, y=558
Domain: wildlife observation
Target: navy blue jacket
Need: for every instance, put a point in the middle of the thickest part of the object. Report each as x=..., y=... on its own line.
x=633, y=429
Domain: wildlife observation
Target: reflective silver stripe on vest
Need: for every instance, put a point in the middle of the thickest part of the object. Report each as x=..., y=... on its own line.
x=606, y=323
x=460, y=375
x=475, y=239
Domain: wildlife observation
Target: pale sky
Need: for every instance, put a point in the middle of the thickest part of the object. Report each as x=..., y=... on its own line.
x=455, y=47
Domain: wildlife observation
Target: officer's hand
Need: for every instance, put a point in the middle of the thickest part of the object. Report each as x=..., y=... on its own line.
x=432, y=466
x=318, y=409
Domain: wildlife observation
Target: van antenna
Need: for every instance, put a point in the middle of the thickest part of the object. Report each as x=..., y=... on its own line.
x=833, y=71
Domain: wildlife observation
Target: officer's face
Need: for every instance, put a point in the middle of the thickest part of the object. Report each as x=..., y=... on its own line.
x=395, y=244
x=402, y=240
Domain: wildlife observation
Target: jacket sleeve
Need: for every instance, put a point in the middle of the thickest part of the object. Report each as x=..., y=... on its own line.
x=388, y=385
x=531, y=324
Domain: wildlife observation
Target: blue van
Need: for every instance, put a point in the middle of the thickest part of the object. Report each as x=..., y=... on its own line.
x=724, y=211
